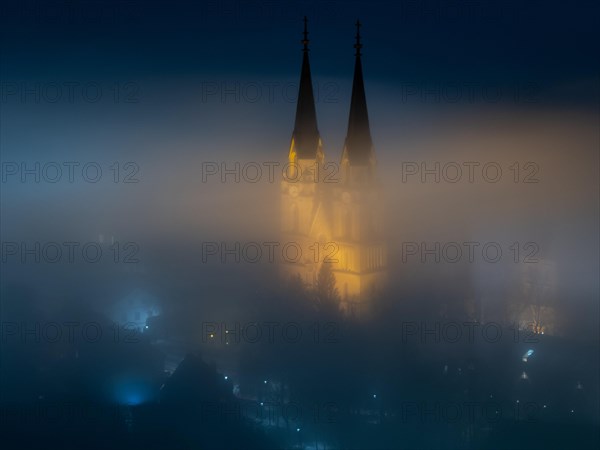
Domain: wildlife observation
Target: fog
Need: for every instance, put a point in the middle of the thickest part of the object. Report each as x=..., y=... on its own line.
x=145, y=291
x=173, y=198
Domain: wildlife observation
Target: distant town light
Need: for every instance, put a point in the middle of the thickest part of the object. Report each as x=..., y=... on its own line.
x=527, y=355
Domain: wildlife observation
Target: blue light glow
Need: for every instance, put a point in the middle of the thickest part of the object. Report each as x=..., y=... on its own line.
x=131, y=391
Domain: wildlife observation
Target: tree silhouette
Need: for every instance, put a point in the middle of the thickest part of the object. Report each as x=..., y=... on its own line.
x=296, y=286
x=327, y=294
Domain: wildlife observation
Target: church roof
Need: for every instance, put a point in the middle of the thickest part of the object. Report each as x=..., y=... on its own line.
x=358, y=145
x=306, y=133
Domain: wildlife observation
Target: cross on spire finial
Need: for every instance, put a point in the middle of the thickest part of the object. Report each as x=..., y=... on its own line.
x=305, y=41
x=358, y=45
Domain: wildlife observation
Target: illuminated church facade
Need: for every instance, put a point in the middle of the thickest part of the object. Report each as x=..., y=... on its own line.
x=333, y=212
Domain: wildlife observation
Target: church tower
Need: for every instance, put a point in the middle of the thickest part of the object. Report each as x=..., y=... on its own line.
x=301, y=193
x=357, y=210
x=339, y=221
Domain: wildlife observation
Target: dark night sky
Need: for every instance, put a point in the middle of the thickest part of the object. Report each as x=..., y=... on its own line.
x=550, y=42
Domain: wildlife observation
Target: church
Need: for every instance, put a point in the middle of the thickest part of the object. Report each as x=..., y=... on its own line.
x=335, y=221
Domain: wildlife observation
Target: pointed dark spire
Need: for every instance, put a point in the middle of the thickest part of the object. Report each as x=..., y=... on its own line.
x=305, y=41
x=306, y=133
x=358, y=140
x=358, y=45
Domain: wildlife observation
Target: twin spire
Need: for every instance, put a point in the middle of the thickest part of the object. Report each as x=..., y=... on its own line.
x=306, y=134
x=358, y=145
